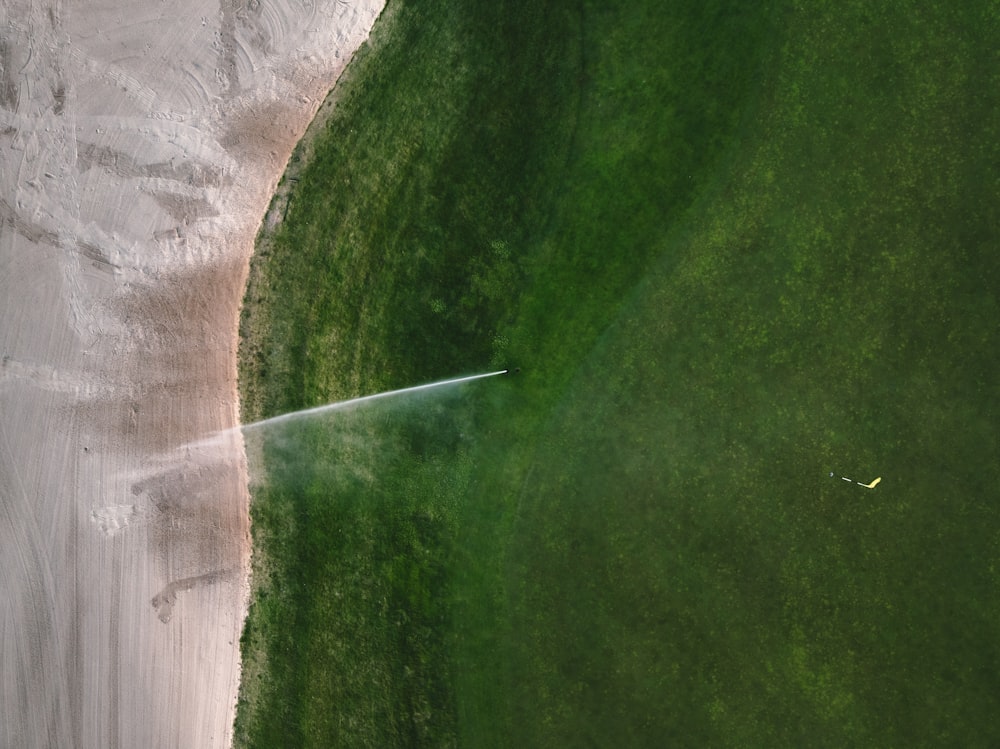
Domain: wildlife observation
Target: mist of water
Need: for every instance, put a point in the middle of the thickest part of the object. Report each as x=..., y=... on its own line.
x=228, y=445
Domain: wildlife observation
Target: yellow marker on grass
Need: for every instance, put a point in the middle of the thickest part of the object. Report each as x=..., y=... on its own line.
x=872, y=485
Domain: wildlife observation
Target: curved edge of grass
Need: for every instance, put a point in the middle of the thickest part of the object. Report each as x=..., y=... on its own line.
x=272, y=609
x=398, y=157
x=454, y=220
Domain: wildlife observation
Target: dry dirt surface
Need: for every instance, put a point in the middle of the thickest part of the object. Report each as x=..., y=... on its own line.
x=140, y=142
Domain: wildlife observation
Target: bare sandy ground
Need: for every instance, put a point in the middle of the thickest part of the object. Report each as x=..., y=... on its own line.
x=140, y=142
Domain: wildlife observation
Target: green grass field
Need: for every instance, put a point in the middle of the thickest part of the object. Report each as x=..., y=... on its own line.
x=732, y=249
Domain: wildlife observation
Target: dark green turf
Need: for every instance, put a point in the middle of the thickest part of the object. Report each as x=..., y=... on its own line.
x=732, y=251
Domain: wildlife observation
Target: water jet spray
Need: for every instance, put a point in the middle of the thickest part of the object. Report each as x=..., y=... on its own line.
x=340, y=405
x=224, y=444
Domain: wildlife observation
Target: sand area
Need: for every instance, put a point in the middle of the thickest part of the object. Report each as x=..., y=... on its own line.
x=140, y=143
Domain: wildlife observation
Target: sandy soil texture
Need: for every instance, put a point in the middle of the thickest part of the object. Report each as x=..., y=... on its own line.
x=140, y=142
